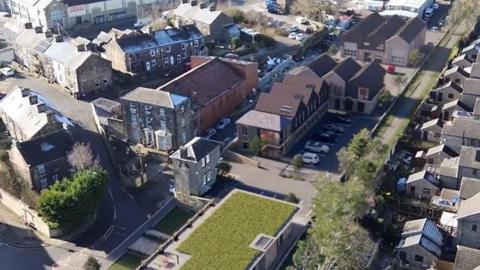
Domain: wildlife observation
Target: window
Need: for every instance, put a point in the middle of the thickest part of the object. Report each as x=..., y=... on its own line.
x=182, y=122
x=105, y=81
x=163, y=124
x=184, y=137
x=474, y=227
x=203, y=162
x=184, y=55
x=204, y=179
x=179, y=58
x=154, y=62
x=403, y=255
x=426, y=191
x=55, y=177
x=418, y=258
x=41, y=169
x=43, y=182
x=209, y=176
x=475, y=171
x=350, y=52
x=244, y=130
x=152, y=52
x=207, y=158
x=166, y=60
x=195, y=43
x=97, y=83
x=162, y=113
x=451, y=96
x=167, y=49
x=183, y=46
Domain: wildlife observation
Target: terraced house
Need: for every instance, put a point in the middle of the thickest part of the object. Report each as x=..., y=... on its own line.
x=389, y=40
x=136, y=53
x=284, y=115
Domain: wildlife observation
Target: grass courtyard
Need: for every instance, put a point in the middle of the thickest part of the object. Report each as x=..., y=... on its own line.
x=173, y=221
x=222, y=240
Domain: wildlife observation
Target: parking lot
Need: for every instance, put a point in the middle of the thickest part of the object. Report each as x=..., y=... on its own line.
x=328, y=162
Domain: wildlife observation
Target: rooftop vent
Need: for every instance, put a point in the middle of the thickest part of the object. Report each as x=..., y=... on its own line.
x=262, y=242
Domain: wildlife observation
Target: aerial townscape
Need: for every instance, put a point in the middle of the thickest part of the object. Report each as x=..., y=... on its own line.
x=239, y=135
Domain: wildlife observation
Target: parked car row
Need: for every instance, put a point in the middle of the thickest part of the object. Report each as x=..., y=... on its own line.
x=326, y=135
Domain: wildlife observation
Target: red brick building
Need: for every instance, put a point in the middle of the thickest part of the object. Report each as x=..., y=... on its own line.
x=216, y=86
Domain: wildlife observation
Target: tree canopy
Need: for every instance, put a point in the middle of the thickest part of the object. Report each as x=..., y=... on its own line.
x=68, y=202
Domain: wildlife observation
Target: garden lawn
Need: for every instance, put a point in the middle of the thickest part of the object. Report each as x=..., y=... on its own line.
x=222, y=241
x=127, y=262
x=173, y=221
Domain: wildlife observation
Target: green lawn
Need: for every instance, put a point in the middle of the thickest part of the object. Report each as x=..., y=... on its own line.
x=173, y=221
x=222, y=241
x=127, y=262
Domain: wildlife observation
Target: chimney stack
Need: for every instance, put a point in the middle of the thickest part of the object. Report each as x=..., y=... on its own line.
x=212, y=7
x=81, y=47
x=48, y=34
x=193, y=3
x=58, y=38
x=25, y=92
x=203, y=5
x=184, y=1
x=50, y=117
x=33, y=99
x=38, y=30
x=28, y=25
x=41, y=108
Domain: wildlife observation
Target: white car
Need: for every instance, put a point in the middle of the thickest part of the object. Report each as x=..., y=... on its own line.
x=210, y=132
x=223, y=123
x=7, y=72
x=317, y=147
x=292, y=35
x=434, y=29
x=310, y=158
x=299, y=37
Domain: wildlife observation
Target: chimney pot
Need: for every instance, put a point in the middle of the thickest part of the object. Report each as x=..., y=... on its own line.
x=41, y=108
x=28, y=25
x=48, y=34
x=25, y=92
x=38, y=30
x=193, y=2
x=33, y=99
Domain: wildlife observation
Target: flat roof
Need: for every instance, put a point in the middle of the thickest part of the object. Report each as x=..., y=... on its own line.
x=407, y=3
x=223, y=240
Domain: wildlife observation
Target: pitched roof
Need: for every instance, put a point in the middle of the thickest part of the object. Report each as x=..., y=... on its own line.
x=67, y=54
x=457, y=69
x=370, y=76
x=456, y=104
x=472, y=87
x=467, y=258
x=450, y=84
x=469, y=187
x=475, y=70
x=441, y=148
x=284, y=99
x=411, y=29
x=204, y=83
x=469, y=157
x=432, y=123
x=197, y=148
x=424, y=175
x=462, y=127
x=262, y=120
x=469, y=207
x=204, y=15
x=363, y=28
x=423, y=232
x=322, y=64
x=47, y=148
x=154, y=97
x=384, y=31
x=347, y=68
x=27, y=116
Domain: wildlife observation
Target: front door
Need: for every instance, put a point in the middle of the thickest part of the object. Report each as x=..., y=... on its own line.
x=78, y=19
x=412, y=191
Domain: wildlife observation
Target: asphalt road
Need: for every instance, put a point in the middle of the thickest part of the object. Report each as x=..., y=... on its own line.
x=119, y=214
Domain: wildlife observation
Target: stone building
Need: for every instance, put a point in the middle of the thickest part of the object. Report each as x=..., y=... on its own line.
x=195, y=166
x=468, y=216
x=164, y=51
x=157, y=119
x=77, y=69
x=42, y=161
x=26, y=116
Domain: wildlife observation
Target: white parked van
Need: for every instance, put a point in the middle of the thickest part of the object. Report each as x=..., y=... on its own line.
x=310, y=158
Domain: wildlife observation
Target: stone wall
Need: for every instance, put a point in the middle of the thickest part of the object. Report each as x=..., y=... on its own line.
x=28, y=214
x=190, y=203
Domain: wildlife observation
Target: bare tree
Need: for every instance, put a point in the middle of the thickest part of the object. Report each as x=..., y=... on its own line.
x=81, y=157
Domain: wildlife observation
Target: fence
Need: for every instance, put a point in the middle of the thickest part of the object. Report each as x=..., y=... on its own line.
x=30, y=216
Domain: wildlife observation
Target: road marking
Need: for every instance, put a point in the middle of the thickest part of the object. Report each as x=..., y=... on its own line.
x=114, y=212
x=110, y=192
x=107, y=233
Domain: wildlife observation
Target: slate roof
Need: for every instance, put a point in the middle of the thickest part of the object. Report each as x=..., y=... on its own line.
x=29, y=39
x=462, y=127
x=262, y=120
x=47, y=148
x=370, y=76
x=197, y=149
x=347, y=68
x=67, y=54
x=374, y=30
x=196, y=13
x=469, y=207
x=450, y=84
x=322, y=64
x=424, y=175
x=467, y=258
x=469, y=187
x=441, y=148
x=411, y=29
x=423, y=232
x=472, y=87
x=469, y=157
x=457, y=104
x=154, y=97
x=456, y=69
x=204, y=83
x=432, y=123
x=107, y=105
